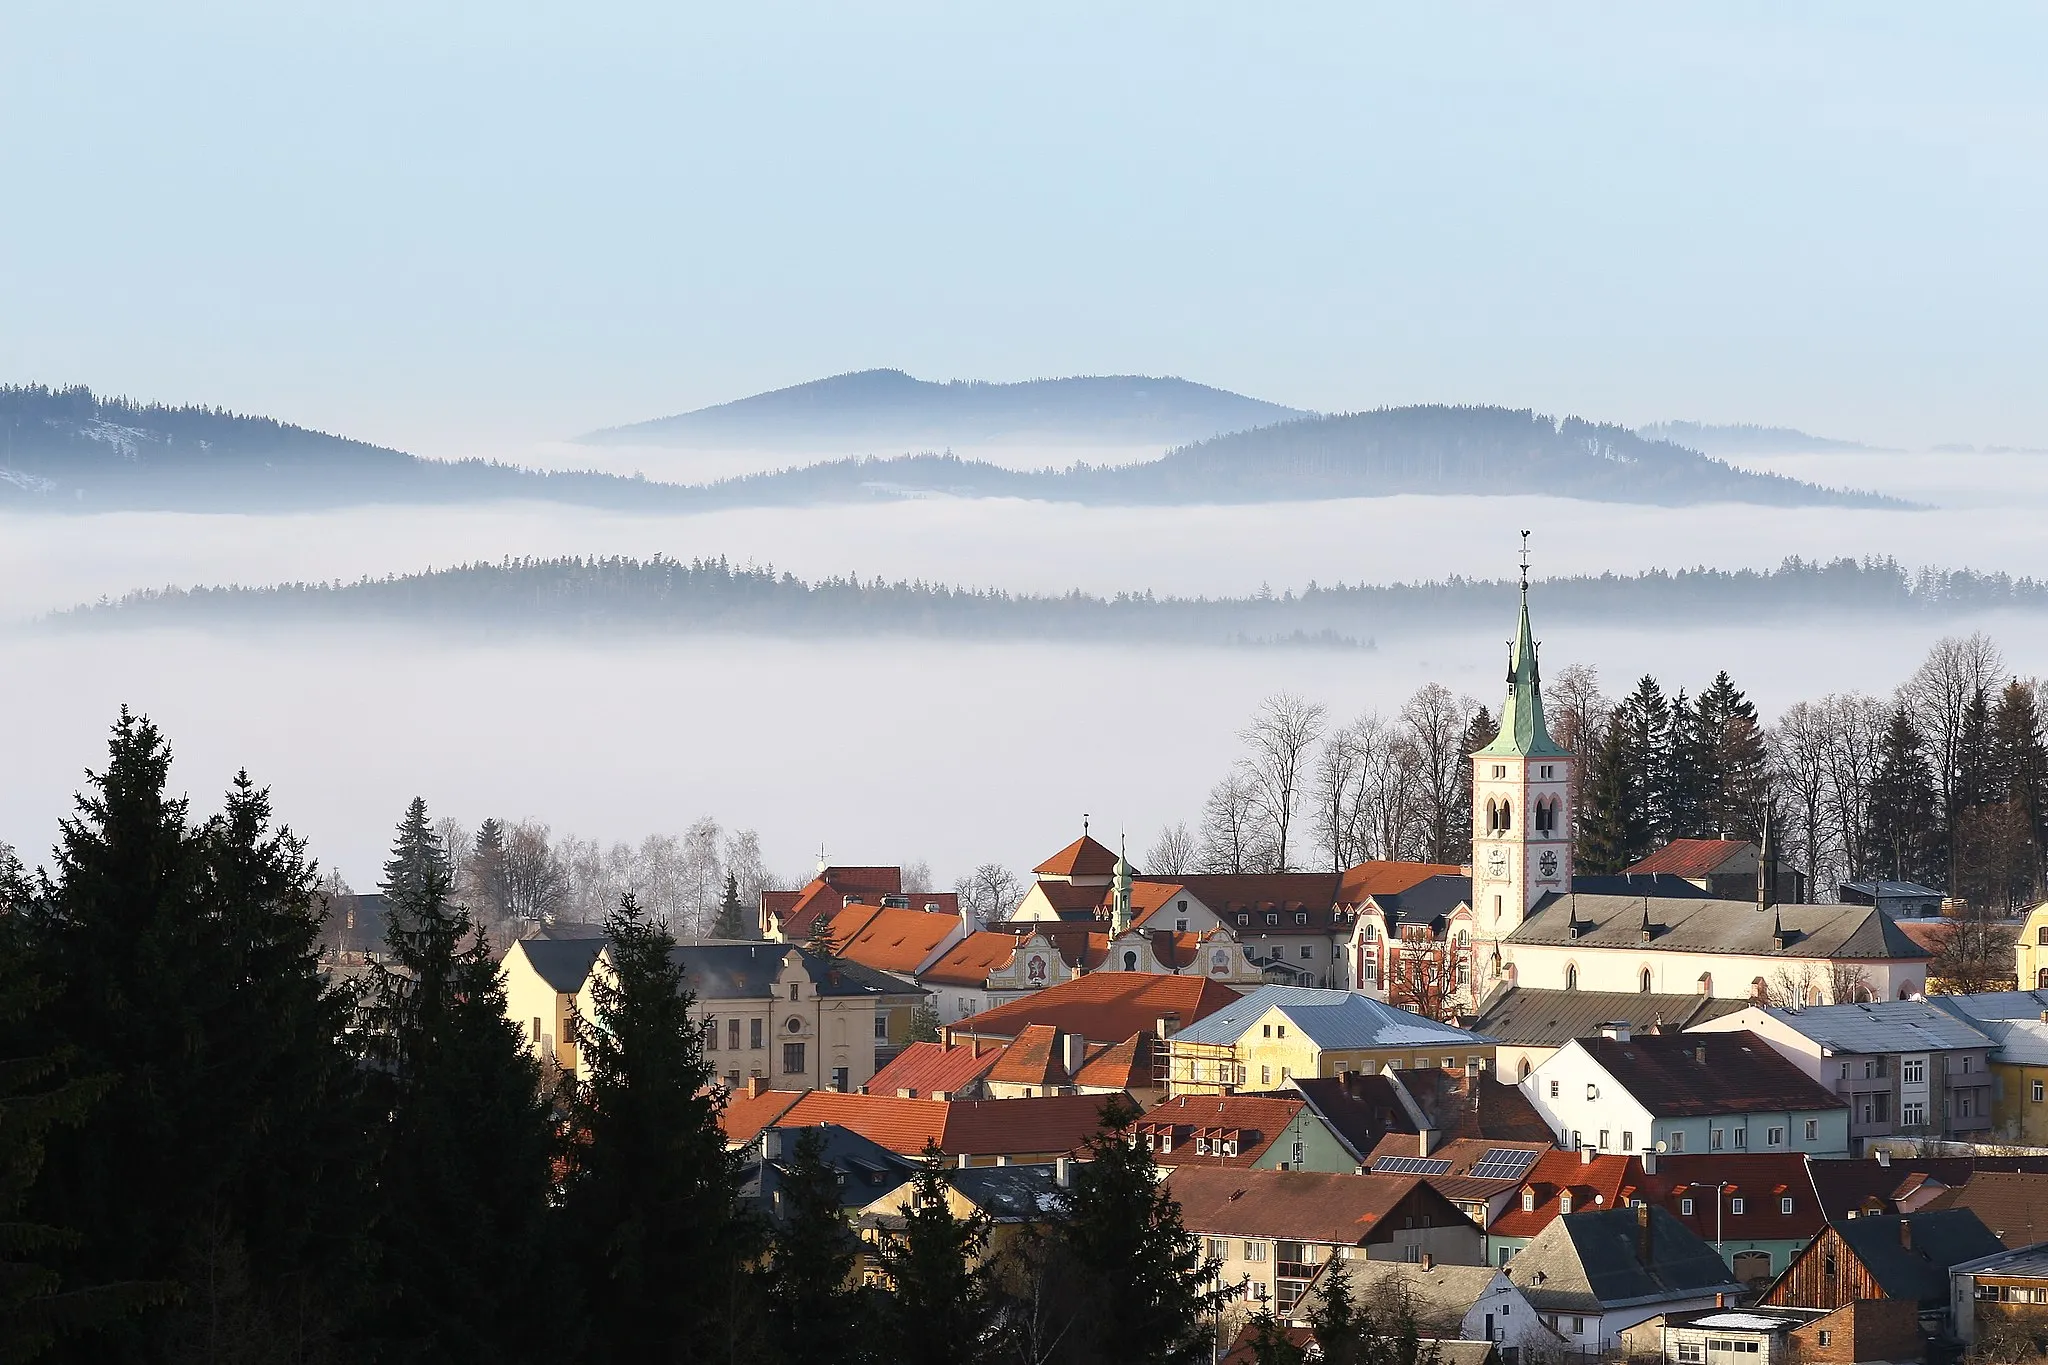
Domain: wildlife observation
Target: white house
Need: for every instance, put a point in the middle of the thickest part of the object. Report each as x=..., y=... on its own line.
x=1469, y=1302
x=1690, y=1092
x=1590, y=1276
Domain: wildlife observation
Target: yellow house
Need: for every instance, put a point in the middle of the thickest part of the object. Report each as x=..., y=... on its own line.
x=772, y=1011
x=1015, y=1199
x=1279, y=1032
x=2030, y=951
x=2019, y=1070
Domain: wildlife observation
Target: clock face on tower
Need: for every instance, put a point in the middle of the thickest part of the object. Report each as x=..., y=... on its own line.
x=1497, y=864
x=1546, y=866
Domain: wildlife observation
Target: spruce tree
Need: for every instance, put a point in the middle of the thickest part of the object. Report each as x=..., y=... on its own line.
x=1903, y=839
x=649, y=1199
x=489, y=886
x=225, y=1156
x=1649, y=715
x=2019, y=761
x=1147, y=1297
x=1269, y=1342
x=1738, y=762
x=465, y=1174
x=1613, y=833
x=815, y=1315
x=1479, y=733
x=943, y=1307
x=1692, y=774
x=732, y=916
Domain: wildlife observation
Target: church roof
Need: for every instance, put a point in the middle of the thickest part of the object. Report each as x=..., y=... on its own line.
x=1522, y=733
x=1085, y=857
x=1683, y=925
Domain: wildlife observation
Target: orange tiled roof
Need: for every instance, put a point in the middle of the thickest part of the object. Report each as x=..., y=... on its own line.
x=891, y=940
x=1104, y=1006
x=746, y=1115
x=1120, y=1066
x=1384, y=878
x=1148, y=898
x=968, y=962
x=1306, y=1206
x=1069, y=899
x=1689, y=857
x=1255, y=1120
x=1594, y=1185
x=1082, y=858
x=933, y=1068
x=1032, y=1058
x=1047, y=1124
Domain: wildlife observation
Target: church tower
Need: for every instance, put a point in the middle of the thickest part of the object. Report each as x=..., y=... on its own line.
x=1521, y=798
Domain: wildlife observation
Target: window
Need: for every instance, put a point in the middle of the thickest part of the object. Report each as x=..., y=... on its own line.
x=1735, y=1205
x=1813, y=1130
x=1643, y=981
x=1307, y=952
x=1691, y=1353
x=1741, y=1138
x=1130, y=962
x=794, y=1024
x=1716, y=1139
x=1578, y=1327
x=1553, y=1090
x=1265, y=1075
x=1180, y=926
x=536, y=1028
x=881, y=1028
x=2038, y=1091
x=1272, y=918
x=1628, y=1140
x=793, y=1058
x=793, y=990
x=1785, y=1204
x=1286, y=1073
x=1301, y=917
x=1372, y=933
x=1913, y=1113
x=1685, y=1207
x=1592, y=1091
x=1300, y=1154
x=1845, y=1071
x=842, y=1079
x=1266, y=1031
x=1181, y=905
x=1827, y=1337
x=1677, y=1142
x=754, y=1032
x=1528, y=1200
x=1774, y=1137
x=1280, y=1031
x=1603, y=1139
x=1254, y=1251
x=1244, y=919
x=1501, y=770
x=732, y=1034
x=1215, y=1248
x=1914, y=1071
x=1571, y=976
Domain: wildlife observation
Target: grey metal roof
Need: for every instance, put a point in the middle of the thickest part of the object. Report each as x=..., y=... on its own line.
x=1010, y=1193
x=1908, y=890
x=1994, y=1005
x=2023, y=1042
x=1440, y=1295
x=1330, y=1019
x=2027, y=1261
x=1882, y=1026
x=746, y=970
x=1639, y=884
x=1552, y=1018
x=1589, y=1263
x=1717, y=926
x=1429, y=902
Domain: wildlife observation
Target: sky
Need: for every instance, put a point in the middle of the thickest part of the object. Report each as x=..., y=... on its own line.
x=475, y=227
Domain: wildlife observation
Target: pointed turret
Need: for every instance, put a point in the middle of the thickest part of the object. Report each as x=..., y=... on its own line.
x=1120, y=916
x=1522, y=732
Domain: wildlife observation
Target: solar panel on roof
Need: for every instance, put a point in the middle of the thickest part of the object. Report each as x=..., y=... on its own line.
x=1504, y=1163
x=1411, y=1165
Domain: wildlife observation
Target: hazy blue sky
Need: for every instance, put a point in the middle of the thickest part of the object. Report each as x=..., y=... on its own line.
x=470, y=226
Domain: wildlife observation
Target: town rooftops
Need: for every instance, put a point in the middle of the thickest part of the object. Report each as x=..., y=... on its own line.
x=1691, y=858
x=1330, y=1019
x=1535, y=1017
x=2013, y=1204
x=1103, y=1007
x=1914, y=1263
x=1706, y=925
x=1360, y=1109
x=889, y=939
x=2022, y=1042
x=1987, y=1005
x=1761, y=1181
x=1693, y=1074
x=714, y=970
x=1590, y=1185
x=1305, y=1206
x=1464, y=1104
x=750, y=1110
x=1617, y=1258
x=1032, y=1058
x=2020, y=1263
x=1882, y=1026
x=1440, y=1294
x=927, y=1069
x=1085, y=857
x=563, y=963
x=1386, y=878
x=1850, y=1187
x=969, y=962
x=1048, y=1124
x=1428, y=902
x=1251, y=1122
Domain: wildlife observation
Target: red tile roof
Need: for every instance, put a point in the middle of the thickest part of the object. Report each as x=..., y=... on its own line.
x=1149, y=898
x=1595, y=1186
x=1690, y=857
x=1306, y=1206
x=928, y=1069
x=1068, y=899
x=890, y=940
x=1032, y=1058
x=1462, y=1153
x=1256, y=1121
x=1381, y=878
x=746, y=1115
x=968, y=962
x=1681, y=1075
x=1121, y=1066
x=1082, y=858
x=1103, y=1007
x=1763, y=1181
x=1047, y=1124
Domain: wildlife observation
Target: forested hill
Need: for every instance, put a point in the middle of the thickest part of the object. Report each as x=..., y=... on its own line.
x=68, y=450
x=1744, y=439
x=888, y=412
x=622, y=598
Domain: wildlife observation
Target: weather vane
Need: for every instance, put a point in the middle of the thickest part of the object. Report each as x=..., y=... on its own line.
x=1525, y=563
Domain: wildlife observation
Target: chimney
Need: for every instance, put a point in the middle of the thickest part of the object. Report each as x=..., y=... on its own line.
x=908, y=1092
x=1428, y=1261
x=756, y=1087
x=1063, y=1171
x=1585, y=1156
x=1643, y=1243
x=977, y=1048
x=1073, y=1052
x=1649, y=1163
x=1616, y=1029
x=941, y=1095
x=1423, y=1138
x=1884, y=1158
x=1699, y=1054
x=1721, y=1300
x=1905, y=1232
x=1168, y=1024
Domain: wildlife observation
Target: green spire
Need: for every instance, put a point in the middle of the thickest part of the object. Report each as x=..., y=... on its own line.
x=1522, y=733
x=1120, y=917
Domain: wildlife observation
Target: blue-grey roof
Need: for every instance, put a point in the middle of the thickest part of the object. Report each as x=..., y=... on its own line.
x=747, y=970
x=563, y=963
x=2023, y=1042
x=1908, y=889
x=1428, y=902
x=1883, y=1026
x=1694, y=925
x=1330, y=1019
x=1667, y=884
x=1986, y=1005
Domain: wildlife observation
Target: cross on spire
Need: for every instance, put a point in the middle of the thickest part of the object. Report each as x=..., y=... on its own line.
x=1525, y=566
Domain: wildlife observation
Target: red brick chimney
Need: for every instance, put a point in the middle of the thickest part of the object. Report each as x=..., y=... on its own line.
x=756, y=1087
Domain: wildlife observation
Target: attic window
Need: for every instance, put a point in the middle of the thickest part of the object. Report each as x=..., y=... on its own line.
x=1272, y=917
x=1528, y=1201
x=1244, y=919
x=1301, y=917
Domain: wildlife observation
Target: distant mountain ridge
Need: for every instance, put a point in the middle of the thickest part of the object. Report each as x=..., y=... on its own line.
x=70, y=450
x=890, y=411
x=1743, y=438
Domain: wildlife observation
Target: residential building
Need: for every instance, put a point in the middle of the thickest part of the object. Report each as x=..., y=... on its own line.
x=768, y=1010
x=1425, y=1107
x=1272, y=1231
x=1591, y=1276
x=968, y=1132
x=1691, y=1092
x=1015, y=1199
x=1279, y=1032
x=1254, y=1132
x=1558, y=1185
x=1884, y=1183
x=1479, y=1176
x=2013, y=1204
x=1529, y=1023
x=1103, y=1007
x=900, y=942
x=2001, y=1297
x=1044, y=1061
x=1044, y=952
x=1451, y=1303
x=1724, y=868
x=750, y=1109
x=791, y=916
x=865, y=1168
x=2030, y=951
x=1900, y=900
x=1867, y=1330
x=1885, y=1256
x=937, y=1071
x=1757, y=1210
x=959, y=978
x=1905, y=1068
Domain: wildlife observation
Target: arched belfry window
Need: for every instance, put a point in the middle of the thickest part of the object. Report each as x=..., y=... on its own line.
x=1130, y=962
x=1507, y=820
x=1643, y=981
x=1571, y=976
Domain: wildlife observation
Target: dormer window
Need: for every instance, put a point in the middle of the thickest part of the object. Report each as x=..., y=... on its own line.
x=1564, y=1202
x=1301, y=917
x=1244, y=919
x=1272, y=917
x=1528, y=1201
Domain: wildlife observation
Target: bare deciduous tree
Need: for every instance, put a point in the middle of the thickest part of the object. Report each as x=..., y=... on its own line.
x=1280, y=735
x=1799, y=767
x=1854, y=725
x=917, y=877
x=1173, y=853
x=989, y=893
x=1938, y=695
x=1433, y=724
x=1234, y=837
x=536, y=882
